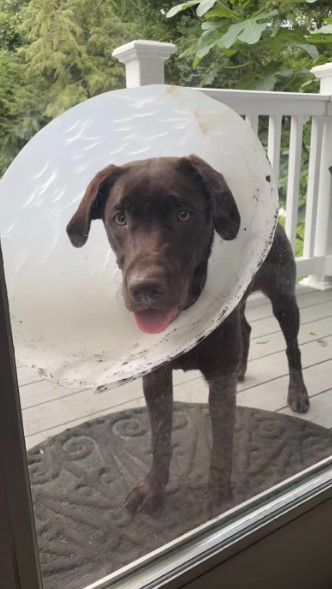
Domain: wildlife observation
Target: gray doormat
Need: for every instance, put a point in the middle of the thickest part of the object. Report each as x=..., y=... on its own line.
x=81, y=477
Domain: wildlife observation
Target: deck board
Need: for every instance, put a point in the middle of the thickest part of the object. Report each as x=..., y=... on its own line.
x=307, y=299
x=268, y=325
x=49, y=409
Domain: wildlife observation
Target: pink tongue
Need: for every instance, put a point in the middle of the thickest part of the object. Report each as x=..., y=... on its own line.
x=153, y=321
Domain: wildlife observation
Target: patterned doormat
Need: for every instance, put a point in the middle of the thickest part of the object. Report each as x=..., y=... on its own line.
x=81, y=477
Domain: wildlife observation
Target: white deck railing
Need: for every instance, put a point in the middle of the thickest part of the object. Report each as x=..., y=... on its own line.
x=144, y=62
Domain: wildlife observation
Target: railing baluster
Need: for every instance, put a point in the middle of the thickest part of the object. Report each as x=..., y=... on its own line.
x=313, y=184
x=294, y=167
x=274, y=137
x=253, y=121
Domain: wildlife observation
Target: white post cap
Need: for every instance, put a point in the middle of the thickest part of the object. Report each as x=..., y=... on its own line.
x=324, y=74
x=144, y=61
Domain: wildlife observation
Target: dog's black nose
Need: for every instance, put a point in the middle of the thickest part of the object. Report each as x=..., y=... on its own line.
x=145, y=290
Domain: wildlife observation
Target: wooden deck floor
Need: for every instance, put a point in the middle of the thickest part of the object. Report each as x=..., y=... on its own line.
x=48, y=409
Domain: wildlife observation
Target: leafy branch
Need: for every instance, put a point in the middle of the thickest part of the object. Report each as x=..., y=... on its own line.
x=242, y=30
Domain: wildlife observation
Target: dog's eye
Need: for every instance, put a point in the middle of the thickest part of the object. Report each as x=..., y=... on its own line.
x=120, y=219
x=184, y=215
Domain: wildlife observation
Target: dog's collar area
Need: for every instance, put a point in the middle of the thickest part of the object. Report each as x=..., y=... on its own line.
x=199, y=276
x=194, y=295
x=195, y=292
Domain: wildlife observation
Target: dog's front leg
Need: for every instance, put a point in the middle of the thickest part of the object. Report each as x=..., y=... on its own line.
x=222, y=403
x=148, y=493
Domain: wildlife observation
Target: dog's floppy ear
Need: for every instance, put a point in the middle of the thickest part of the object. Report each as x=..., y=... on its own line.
x=91, y=205
x=225, y=214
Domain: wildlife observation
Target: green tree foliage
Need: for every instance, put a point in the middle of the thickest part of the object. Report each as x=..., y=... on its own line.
x=68, y=47
x=16, y=100
x=260, y=44
x=57, y=53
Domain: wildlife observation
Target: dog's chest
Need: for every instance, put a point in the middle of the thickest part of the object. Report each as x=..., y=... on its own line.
x=220, y=349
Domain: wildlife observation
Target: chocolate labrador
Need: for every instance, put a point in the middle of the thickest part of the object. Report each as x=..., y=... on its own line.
x=160, y=216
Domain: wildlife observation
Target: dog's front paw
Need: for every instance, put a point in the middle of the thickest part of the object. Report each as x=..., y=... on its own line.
x=219, y=502
x=241, y=371
x=298, y=398
x=145, y=496
x=220, y=494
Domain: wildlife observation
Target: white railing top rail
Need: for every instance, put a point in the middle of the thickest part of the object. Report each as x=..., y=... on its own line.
x=272, y=103
x=145, y=60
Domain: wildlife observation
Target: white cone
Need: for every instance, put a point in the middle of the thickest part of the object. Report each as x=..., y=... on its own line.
x=68, y=317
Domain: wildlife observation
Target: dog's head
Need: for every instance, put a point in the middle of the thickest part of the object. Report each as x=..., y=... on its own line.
x=159, y=215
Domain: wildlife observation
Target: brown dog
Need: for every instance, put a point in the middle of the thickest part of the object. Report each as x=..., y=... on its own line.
x=160, y=216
